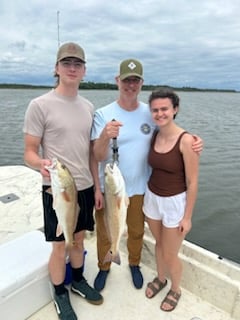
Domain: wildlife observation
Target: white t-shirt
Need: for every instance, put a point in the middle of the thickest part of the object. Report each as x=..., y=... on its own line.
x=133, y=143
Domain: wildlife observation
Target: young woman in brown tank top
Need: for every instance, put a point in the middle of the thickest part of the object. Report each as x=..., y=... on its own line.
x=171, y=193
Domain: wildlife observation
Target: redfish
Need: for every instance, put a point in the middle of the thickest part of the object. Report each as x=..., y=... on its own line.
x=116, y=204
x=64, y=192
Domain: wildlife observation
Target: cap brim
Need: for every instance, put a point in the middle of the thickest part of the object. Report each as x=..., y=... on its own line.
x=71, y=56
x=131, y=74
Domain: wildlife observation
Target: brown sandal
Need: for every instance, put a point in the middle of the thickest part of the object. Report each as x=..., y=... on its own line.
x=173, y=303
x=156, y=286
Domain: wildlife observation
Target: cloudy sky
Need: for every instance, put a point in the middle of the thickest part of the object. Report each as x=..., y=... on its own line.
x=193, y=43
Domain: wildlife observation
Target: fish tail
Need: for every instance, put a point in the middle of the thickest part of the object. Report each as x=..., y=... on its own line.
x=116, y=258
x=59, y=230
x=112, y=258
x=76, y=244
x=108, y=257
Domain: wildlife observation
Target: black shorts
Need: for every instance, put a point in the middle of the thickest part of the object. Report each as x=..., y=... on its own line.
x=85, y=217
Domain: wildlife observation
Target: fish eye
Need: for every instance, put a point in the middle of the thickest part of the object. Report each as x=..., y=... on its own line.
x=63, y=166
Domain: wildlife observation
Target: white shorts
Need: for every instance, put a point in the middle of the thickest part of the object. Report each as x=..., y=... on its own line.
x=168, y=209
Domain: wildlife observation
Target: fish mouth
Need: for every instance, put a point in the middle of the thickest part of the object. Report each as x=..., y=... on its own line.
x=54, y=162
x=53, y=165
x=110, y=167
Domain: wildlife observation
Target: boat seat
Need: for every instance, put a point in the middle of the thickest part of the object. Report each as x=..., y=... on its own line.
x=24, y=280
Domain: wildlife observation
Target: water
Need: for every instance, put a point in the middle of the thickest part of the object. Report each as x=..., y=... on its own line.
x=213, y=116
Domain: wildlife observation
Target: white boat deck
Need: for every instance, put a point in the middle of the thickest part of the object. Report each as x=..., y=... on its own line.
x=123, y=301
x=210, y=288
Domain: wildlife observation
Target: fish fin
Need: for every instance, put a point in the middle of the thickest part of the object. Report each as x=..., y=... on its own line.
x=65, y=195
x=49, y=190
x=59, y=230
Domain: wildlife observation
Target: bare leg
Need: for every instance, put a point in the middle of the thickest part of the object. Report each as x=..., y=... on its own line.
x=76, y=252
x=155, y=227
x=171, y=241
x=57, y=263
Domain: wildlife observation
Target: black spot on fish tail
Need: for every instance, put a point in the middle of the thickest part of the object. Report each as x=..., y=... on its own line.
x=112, y=258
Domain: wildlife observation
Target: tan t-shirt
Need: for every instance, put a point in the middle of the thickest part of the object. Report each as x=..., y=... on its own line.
x=64, y=125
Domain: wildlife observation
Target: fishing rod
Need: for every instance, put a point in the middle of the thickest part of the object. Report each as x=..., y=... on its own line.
x=58, y=12
x=115, y=155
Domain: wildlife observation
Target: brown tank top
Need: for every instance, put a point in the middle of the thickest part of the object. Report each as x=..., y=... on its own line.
x=168, y=173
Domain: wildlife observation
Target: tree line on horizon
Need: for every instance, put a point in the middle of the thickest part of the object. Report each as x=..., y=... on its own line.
x=107, y=86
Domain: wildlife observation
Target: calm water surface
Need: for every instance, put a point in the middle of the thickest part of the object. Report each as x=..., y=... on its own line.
x=213, y=116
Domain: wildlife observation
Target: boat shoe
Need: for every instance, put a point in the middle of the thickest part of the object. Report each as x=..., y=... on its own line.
x=137, y=277
x=84, y=290
x=100, y=280
x=63, y=307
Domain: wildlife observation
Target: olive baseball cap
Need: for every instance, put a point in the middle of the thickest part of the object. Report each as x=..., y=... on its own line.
x=130, y=67
x=70, y=49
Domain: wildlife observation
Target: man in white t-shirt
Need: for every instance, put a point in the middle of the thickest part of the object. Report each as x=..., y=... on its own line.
x=133, y=127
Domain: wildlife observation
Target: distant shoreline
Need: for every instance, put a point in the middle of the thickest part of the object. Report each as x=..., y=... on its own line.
x=108, y=86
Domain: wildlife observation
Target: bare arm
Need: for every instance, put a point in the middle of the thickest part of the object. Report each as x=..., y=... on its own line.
x=191, y=164
x=32, y=157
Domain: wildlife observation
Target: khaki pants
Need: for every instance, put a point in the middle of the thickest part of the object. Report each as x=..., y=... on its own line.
x=135, y=225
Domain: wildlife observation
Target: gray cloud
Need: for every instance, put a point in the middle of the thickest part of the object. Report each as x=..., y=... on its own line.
x=179, y=42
